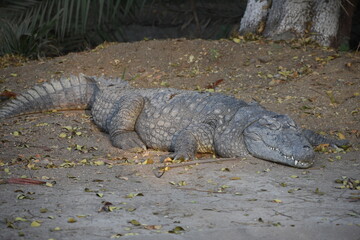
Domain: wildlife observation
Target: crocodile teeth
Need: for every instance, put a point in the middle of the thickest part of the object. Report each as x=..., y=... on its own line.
x=282, y=154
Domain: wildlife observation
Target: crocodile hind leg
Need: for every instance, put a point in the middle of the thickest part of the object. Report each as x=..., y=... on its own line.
x=122, y=123
x=194, y=138
x=316, y=139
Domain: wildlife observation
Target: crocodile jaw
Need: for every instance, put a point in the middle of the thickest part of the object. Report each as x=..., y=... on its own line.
x=299, y=156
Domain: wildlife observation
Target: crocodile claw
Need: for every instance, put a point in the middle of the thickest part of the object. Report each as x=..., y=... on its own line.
x=127, y=140
x=178, y=156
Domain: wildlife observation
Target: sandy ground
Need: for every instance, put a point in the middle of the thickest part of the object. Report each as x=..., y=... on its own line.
x=95, y=191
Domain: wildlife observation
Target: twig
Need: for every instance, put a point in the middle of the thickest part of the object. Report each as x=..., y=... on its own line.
x=159, y=171
x=198, y=190
x=282, y=214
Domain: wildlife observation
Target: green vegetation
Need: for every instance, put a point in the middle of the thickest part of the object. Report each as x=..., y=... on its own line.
x=36, y=28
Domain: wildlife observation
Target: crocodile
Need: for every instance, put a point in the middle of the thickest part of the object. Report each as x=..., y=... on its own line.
x=182, y=122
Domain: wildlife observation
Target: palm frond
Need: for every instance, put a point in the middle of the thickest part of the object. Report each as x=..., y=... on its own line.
x=70, y=19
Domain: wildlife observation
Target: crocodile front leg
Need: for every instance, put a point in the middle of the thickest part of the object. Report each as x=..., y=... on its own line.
x=121, y=124
x=194, y=138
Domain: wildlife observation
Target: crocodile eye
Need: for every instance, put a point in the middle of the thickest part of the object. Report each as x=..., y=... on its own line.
x=270, y=123
x=292, y=124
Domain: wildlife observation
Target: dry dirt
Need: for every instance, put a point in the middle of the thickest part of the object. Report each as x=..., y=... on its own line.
x=96, y=191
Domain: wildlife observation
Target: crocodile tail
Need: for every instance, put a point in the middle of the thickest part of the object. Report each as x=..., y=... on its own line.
x=75, y=92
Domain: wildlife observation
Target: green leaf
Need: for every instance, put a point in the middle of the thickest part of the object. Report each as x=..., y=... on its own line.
x=177, y=230
x=16, y=133
x=69, y=128
x=62, y=135
x=43, y=210
x=131, y=195
x=134, y=222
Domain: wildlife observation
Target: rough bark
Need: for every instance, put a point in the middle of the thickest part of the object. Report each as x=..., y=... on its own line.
x=326, y=21
x=286, y=19
x=255, y=14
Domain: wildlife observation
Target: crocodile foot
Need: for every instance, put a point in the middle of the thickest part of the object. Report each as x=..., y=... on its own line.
x=127, y=140
x=178, y=156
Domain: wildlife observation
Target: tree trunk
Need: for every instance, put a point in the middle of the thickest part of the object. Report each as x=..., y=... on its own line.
x=287, y=19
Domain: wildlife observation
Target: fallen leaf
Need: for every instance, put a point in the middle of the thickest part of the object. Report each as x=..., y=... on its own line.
x=62, y=135
x=20, y=219
x=182, y=183
x=16, y=133
x=116, y=235
x=44, y=210
x=235, y=178
x=134, y=222
x=317, y=191
x=148, y=161
x=71, y=220
x=153, y=227
x=131, y=195
x=324, y=147
x=99, y=163
x=35, y=224
x=177, y=230
x=236, y=40
x=341, y=136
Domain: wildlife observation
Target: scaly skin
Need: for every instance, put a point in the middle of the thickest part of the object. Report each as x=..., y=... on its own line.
x=183, y=122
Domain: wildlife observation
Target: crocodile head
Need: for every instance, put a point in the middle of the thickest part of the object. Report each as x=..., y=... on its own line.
x=277, y=138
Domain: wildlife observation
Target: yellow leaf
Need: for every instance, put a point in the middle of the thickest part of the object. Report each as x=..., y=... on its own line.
x=236, y=40
x=182, y=183
x=341, y=136
x=48, y=184
x=72, y=220
x=99, y=163
x=35, y=224
x=148, y=161
x=277, y=201
x=167, y=160
x=235, y=178
x=62, y=135
x=294, y=176
x=20, y=219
